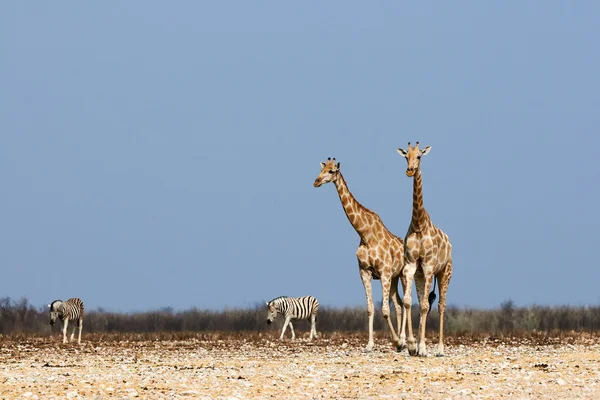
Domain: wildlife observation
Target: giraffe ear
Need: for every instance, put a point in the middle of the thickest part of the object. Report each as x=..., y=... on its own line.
x=425, y=150
x=266, y=302
x=48, y=305
x=402, y=152
x=338, y=166
x=322, y=165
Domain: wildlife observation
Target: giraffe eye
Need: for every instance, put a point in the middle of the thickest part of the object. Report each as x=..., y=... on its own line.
x=331, y=171
x=418, y=157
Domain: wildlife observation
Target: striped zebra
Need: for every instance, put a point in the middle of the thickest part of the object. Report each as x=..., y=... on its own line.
x=70, y=310
x=294, y=308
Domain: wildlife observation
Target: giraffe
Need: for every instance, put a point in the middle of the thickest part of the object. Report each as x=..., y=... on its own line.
x=428, y=255
x=380, y=253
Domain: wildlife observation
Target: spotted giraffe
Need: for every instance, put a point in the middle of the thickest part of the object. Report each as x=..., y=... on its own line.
x=428, y=255
x=380, y=253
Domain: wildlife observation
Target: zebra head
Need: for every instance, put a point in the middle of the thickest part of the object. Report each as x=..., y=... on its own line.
x=54, y=311
x=329, y=172
x=272, y=312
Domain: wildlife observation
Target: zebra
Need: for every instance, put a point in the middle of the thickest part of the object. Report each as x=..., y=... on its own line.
x=294, y=308
x=66, y=311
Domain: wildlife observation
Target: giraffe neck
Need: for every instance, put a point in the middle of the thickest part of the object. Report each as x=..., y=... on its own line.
x=419, y=214
x=354, y=210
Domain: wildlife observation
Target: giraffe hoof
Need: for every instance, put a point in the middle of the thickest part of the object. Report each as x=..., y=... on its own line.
x=412, y=348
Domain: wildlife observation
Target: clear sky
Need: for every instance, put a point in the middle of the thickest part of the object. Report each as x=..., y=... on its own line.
x=156, y=154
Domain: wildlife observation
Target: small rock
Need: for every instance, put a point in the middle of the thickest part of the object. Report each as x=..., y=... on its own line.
x=561, y=381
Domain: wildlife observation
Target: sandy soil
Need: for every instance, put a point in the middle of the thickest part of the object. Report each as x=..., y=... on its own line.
x=226, y=367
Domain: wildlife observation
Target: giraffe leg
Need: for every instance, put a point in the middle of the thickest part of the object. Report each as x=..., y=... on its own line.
x=285, y=324
x=402, y=326
x=407, y=277
x=399, y=310
x=65, y=324
x=443, y=281
x=80, y=328
x=386, y=289
x=423, y=282
x=366, y=279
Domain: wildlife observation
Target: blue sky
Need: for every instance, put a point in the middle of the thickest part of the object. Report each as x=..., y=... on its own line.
x=157, y=155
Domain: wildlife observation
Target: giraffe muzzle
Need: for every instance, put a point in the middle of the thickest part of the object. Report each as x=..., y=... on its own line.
x=317, y=183
x=410, y=172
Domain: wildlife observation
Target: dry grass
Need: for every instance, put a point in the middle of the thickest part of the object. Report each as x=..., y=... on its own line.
x=255, y=365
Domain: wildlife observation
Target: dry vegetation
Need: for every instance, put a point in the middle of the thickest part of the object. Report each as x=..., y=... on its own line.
x=254, y=365
x=509, y=352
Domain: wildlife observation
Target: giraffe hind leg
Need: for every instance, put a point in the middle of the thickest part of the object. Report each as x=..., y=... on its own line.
x=399, y=307
x=444, y=280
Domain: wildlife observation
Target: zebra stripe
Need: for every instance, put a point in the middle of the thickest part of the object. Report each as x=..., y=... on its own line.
x=70, y=310
x=296, y=308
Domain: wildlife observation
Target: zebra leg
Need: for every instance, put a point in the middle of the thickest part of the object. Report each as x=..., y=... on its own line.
x=313, y=327
x=80, y=328
x=73, y=333
x=65, y=324
x=292, y=329
x=285, y=324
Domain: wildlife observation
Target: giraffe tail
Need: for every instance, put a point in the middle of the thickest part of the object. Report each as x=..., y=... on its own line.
x=432, y=295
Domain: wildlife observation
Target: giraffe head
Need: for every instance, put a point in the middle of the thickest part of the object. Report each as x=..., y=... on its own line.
x=329, y=172
x=54, y=311
x=413, y=158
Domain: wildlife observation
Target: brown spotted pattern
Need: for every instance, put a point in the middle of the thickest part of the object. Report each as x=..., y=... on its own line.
x=380, y=253
x=428, y=254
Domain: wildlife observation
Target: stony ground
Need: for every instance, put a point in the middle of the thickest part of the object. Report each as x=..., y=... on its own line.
x=221, y=366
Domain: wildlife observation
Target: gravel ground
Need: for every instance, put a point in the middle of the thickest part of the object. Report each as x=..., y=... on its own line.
x=333, y=366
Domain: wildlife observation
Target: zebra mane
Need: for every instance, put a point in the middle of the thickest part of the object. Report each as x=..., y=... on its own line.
x=52, y=304
x=278, y=298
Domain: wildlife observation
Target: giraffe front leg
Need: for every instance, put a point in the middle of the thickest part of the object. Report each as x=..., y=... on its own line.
x=366, y=280
x=386, y=288
x=407, y=277
x=285, y=324
x=423, y=283
x=398, y=306
x=443, y=282
x=65, y=324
